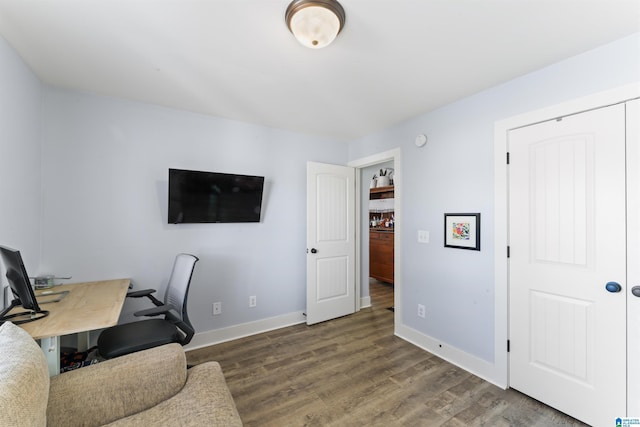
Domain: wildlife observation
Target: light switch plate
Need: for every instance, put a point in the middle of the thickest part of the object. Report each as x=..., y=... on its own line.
x=423, y=236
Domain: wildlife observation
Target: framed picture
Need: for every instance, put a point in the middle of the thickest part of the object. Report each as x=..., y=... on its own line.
x=462, y=231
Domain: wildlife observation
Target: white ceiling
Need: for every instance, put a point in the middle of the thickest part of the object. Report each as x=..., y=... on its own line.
x=395, y=59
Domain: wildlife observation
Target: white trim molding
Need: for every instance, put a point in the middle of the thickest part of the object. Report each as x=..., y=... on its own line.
x=479, y=367
x=365, y=302
x=217, y=336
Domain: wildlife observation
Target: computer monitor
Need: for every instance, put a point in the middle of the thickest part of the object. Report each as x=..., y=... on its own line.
x=21, y=289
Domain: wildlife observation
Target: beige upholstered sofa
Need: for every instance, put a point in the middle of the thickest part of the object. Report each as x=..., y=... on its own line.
x=148, y=388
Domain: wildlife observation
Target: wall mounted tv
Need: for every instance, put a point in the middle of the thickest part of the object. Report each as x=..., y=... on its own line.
x=203, y=197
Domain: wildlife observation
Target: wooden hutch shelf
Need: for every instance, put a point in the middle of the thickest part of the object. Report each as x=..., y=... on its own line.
x=381, y=192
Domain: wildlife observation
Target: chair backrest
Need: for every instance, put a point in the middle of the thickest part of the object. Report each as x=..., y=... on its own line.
x=178, y=287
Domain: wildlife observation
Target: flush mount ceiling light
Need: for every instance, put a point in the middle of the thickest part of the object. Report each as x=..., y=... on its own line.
x=315, y=23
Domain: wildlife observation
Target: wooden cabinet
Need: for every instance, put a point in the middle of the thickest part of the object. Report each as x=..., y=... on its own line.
x=381, y=255
x=381, y=237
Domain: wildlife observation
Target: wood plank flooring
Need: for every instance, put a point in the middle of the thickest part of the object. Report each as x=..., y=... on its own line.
x=353, y=371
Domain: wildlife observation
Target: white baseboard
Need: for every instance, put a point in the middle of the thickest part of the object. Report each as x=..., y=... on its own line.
x=218, y=336
x=468, y=362
x=365, y=302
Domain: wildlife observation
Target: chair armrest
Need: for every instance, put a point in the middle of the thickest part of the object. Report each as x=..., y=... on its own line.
x=155, y=311
x=110, y=390
x=169, y=310
x=141, y=293
x=145, y=293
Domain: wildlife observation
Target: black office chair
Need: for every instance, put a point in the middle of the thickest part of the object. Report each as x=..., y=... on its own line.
x=174, y=327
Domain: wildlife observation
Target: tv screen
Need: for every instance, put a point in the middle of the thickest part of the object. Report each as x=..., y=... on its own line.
x=20, y=287
x=203, y=197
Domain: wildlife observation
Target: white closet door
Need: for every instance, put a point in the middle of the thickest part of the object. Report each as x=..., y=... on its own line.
x=568, y=240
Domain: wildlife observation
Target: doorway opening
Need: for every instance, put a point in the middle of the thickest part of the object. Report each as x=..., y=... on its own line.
x=378, y=214
x=385, y=222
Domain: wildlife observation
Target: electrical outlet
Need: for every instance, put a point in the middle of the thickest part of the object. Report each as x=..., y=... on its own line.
x=252, y=301
x=217, y=308
x=421, y=311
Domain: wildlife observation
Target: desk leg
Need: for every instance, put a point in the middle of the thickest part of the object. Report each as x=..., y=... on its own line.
x=51, y=348
x=83, y=341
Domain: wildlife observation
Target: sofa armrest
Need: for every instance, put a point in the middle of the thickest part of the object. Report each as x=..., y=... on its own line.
x=110, y=390
x=205, y=400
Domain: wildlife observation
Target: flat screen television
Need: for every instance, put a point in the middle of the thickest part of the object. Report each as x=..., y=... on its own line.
x=211, y=197
x=21, y=289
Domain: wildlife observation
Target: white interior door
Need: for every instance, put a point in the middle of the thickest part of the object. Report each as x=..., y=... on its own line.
x=633, y=255
x=330, y=242
x=568, y=240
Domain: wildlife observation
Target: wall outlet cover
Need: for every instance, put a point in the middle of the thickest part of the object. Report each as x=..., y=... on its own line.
x=421, y=311
x=217, y=308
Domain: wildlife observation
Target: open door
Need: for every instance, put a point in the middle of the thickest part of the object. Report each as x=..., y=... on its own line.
x=330, y=242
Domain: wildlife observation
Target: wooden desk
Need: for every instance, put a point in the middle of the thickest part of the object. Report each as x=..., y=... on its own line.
x=88, y=306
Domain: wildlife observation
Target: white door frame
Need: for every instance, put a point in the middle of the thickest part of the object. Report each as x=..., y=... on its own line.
x=374, y=159
x=501, y=130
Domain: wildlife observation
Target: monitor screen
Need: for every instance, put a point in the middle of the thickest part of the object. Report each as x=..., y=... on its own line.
x=211, y=197
x=19, y=284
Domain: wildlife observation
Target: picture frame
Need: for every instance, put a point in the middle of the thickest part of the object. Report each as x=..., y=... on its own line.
x=462, y=231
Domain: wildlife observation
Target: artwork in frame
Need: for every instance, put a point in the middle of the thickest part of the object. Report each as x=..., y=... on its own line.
x=462, y=231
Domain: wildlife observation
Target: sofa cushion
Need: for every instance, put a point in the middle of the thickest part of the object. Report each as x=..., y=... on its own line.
x=24, y=377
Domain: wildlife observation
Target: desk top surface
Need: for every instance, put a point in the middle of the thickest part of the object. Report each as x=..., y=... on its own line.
x=87, y=306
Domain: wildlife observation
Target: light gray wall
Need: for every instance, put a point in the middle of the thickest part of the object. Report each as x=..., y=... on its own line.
x=20, y=117
x=105, y=173
x=454, y=173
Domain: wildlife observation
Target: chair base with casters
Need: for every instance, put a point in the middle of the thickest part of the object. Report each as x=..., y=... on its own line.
x=175, y=327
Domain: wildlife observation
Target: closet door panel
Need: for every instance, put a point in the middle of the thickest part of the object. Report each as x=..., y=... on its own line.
x=568, y=240
x=633, y=265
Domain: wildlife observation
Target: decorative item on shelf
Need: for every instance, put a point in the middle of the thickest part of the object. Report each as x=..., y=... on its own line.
x=374, y=181
x=384, y=180
x=392, y=221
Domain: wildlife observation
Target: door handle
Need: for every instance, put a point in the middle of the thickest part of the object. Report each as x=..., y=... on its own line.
x=613, y=287
x=636, y=291
x=314, y=251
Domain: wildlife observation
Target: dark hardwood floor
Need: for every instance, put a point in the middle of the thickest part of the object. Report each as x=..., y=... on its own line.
x=353, y=371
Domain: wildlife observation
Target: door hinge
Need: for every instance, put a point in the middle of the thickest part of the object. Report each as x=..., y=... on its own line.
x=508, y=251
x=508, y=158
x=508, y=346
